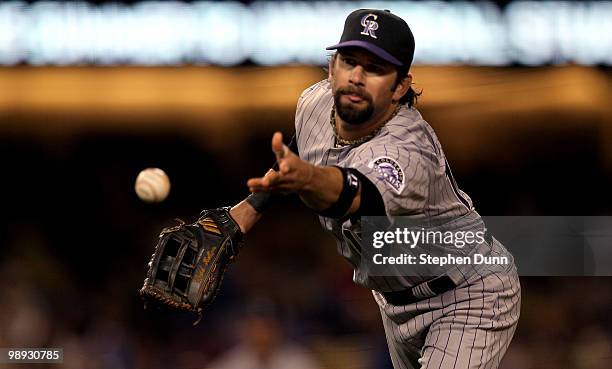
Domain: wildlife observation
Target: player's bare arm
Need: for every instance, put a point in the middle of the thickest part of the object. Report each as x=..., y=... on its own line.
x=318, y=187
x=245, y=215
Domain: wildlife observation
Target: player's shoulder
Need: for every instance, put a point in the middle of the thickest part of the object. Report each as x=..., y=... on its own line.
x=318, y=89
x=407, y=125
x=406, y=117
x=311, y=106
x=410, y=131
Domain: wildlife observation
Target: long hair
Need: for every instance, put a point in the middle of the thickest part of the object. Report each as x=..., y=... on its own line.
x=411, y=96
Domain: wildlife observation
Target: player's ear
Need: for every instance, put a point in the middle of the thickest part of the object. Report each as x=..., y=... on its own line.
x=402, y=87
x=330, y=66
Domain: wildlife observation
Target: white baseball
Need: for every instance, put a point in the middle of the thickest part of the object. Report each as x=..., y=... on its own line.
x=152, y=185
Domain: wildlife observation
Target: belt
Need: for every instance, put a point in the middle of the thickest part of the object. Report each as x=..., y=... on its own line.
x=430, y=288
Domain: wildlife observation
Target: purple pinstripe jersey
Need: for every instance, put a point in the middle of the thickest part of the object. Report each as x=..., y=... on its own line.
x=404, y=161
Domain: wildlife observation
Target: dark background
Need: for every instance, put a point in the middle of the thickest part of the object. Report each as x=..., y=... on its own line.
x=75, y=239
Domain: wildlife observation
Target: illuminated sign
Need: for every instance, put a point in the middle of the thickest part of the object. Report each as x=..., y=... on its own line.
x=271, y=33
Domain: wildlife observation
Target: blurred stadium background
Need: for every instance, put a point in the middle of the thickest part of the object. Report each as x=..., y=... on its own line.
x=91, y=93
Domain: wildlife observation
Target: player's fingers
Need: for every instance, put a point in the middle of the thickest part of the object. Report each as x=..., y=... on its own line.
x=255, y=186
x=277, y=142
x=258, y=189
x=278, y=147
x=257, y=181
x=255, y=189
x=254, y=182
x=290, y=163
x=284, y=167
x=259, y=185
x=271, y=178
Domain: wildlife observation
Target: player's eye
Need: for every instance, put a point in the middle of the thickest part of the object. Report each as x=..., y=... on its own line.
x=374, y=69
x=349, y=61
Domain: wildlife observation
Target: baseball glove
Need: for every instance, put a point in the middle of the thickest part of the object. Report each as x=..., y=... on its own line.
x=189, y=261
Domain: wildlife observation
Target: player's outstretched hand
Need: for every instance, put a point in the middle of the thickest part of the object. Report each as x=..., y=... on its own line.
x=293, y=174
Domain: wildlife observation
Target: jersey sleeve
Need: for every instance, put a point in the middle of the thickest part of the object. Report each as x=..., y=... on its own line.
x=401, y=171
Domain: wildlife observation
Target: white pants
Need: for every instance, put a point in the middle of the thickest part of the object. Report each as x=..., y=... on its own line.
x=468, y=327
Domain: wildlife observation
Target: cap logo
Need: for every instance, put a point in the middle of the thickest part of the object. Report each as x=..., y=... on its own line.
x=369, y=25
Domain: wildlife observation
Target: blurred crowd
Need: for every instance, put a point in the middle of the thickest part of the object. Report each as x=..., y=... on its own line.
x=284, y=305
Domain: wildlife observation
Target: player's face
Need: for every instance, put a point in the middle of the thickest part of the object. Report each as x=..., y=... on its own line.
x=362, y=85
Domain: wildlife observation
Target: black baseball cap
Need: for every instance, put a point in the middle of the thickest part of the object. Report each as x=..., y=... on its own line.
x=380, y=32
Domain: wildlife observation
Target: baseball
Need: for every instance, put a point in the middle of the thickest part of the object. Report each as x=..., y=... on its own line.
x=152, y=185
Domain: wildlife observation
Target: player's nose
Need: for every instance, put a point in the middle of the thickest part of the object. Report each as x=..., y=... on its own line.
x=357, y=75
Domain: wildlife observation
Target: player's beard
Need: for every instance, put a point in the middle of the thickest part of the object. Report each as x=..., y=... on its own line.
x=349, y=112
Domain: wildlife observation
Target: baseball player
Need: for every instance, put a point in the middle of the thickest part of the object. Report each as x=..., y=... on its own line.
x=362, y=148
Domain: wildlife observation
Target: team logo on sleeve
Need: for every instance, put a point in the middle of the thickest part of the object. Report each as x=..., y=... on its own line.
x=389, y=171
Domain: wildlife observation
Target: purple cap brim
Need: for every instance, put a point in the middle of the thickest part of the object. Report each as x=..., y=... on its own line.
x=370, y=47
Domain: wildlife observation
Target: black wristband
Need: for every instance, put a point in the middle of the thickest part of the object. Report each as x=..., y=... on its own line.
x=260, y=201
x=371, y=203
x=350, y=186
